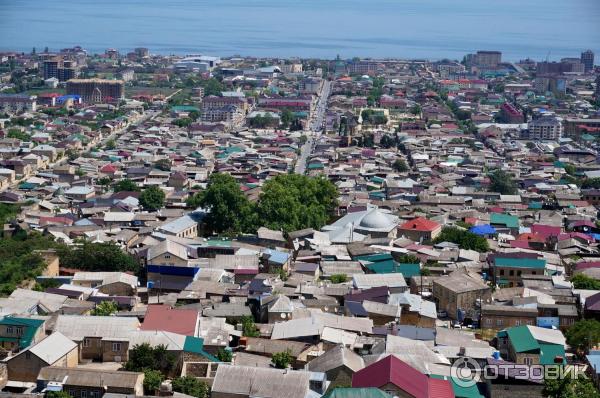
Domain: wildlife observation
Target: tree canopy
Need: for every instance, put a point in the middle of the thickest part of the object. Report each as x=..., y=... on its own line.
x=400, y=166
x=288, y=202
x=501, y=181
x=582, y=281
x=143, y=357
x=282, y=360
x=583, y=335
x=191, y=386
x=291, y=202
x=152, y=198
x=228, y=209
x=102, y=256
x=105, y=308
x=568, y=387
x=126, y=185
x=464, y=239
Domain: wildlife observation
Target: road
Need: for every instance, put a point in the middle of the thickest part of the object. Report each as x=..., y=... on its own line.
x=315, y=128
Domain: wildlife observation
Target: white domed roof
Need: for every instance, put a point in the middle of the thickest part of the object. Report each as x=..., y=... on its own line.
x=375, y=220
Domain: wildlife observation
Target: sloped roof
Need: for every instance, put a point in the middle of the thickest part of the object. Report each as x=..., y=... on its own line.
x=53, y=347
x=420, y=224
x=336, y=357
x=392, y=370
x=163, y=317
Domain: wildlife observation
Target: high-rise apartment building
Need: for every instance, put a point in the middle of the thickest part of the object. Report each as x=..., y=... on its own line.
x=587, y=59
x=488, y=59
x=96, y=90
x=61, y=69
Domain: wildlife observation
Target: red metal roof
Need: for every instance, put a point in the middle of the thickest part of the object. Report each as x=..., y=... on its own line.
x=420, y=224
x=165, y=318
x=392, y=370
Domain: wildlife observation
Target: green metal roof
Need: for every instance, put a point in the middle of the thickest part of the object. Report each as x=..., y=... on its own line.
x=548, y=352
x=196, y=345
x=185, y=108
x=369, y=392
x=504, y=219
x=535, y=205
x=373, y=258
x=520, y=262
x=30, y=327
x=522, y=340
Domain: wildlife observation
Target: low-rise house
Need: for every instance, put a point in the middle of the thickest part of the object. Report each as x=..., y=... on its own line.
x=17, y=333
x=182, y=227
x=92, y=383
x=532, y=345
x=503, y=316
x=459, y=292
x=508, y=271
x=339, y=364
x=54, y=350
x=111, y=283
x=397, y=378
x=420, y=229
x=246, y=382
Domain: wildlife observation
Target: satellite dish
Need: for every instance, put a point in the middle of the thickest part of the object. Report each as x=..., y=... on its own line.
x=282, y=315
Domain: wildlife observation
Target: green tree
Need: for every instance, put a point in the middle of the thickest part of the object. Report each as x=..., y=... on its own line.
x=591, y=183
x=464, y=239
x=408, y=259
x=126, y=185
x=570, y=388
x=110, y=145
x=287, y=117
x=213, y=87
x=339, y=278
x=249, y=327
x=191, y=386
x=103, y=256
x=416, y=109
x=282, y=360
x=143, y=357
x=224, y=355
x=400, y=166
x=291, y=202
x=583, y=335
x=570, y=169
x=228, y=209
x=105, y=308
x=152, y=198
x=57, y=394
x=502, y=182
x=163, y=164
x=582, y=281
x=152, y=381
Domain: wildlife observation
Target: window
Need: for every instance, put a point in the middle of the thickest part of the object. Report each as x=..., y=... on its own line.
x=27, y=355
x=488, y=322
x=72, y=393
x=518, y=273
x=532, y=272
x=512, y=272
x=9, y=330
x=528, y=361
x=528, y=321
x=86, y=342
x=19, y=331
x=116, y=347
x=94, y=394
x=499, y=322
x=501, y=272
x=167, y=256
x=83, y=394
x=518, y=322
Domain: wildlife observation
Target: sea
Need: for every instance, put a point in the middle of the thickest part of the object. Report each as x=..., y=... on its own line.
x=411, y=29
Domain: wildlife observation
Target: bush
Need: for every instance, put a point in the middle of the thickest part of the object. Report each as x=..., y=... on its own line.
x=249, y=327
x=152, y=198
x=105, y=256
x=143, y=357
x=582, y=281
x=339, y=278
x=464, y=239
x=105, y=308
x=282, y=360
x=152, y=381
x=191, y=386
x=224, y=355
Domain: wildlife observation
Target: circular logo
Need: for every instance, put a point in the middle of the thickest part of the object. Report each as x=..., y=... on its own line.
x=466, y=372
